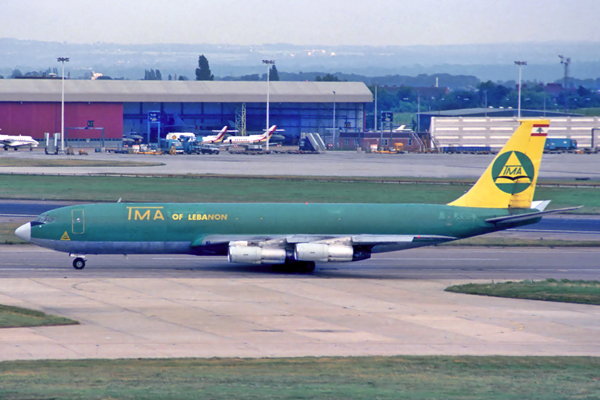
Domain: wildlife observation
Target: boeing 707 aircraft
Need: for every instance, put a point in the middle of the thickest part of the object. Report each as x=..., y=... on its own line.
x=299, y=235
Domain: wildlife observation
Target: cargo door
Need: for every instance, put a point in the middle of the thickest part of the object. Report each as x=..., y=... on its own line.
x=77, y=222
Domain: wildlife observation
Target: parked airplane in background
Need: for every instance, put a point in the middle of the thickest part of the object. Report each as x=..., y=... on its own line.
x=251, y=139
x=205, y=139
x=218, y=138
x=298, y=235
x=17, y=141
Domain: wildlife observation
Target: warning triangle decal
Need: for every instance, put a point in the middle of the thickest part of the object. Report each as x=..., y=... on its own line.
x=65, y=236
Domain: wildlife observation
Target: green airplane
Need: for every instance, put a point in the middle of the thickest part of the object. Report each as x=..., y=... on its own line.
x=299, y=235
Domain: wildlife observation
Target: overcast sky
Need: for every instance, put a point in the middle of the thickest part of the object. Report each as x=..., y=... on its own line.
x=302, y=22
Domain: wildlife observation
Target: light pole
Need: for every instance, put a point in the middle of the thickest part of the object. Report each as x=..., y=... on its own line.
x=333, y=123
x=520, y=64
x=62, y=60
x=269, y=63
x=418, y=112
x=565, y=61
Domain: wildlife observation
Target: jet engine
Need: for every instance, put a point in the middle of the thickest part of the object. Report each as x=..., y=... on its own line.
x=324, y=252
x=241, y=252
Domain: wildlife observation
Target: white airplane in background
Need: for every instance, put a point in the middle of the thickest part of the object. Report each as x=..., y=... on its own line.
x=251, y=139
x=17, y=141
x=205, y=139
x=216, y=138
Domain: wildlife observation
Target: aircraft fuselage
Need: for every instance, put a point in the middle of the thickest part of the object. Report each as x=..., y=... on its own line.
x=187, y=228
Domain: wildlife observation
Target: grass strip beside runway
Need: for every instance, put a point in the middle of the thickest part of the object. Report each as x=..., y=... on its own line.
x=11, y=317
x=567, y=291
x=306, y=378
x=257, y=190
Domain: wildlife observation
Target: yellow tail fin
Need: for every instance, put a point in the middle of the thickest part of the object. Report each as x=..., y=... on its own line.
x=509, y=181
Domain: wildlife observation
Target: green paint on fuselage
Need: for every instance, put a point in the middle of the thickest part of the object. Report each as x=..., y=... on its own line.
x=188, y=222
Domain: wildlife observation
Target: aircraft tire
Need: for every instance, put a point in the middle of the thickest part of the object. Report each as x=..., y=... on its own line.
x=306, y=267
x=79, y=263
x=16, y=149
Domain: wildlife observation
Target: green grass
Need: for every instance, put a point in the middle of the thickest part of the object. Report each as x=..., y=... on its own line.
x=590, y=112
x=584, y=292
x=26, y=162
x=490, y=378
x=220, y=189
x=182, y=189
x=11, y=317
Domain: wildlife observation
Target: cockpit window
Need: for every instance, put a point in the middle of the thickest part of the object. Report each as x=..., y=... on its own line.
x=44, y=219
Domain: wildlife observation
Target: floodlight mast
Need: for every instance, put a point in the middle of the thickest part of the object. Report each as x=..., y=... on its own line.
x=62, y=60
x=566, y=61
x=333, y=122
x=269, y=63
x=520, y=64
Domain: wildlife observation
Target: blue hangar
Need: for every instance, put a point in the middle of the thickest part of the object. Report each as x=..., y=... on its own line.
x=154, y=108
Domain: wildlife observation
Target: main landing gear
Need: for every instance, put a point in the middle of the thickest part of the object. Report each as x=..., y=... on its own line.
x=79, y=263
x=297, y=267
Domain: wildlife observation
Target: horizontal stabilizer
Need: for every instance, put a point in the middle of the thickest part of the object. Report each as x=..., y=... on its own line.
x=509, y=219
x=540, y=205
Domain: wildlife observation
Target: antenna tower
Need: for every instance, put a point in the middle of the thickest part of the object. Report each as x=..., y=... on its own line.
x=240, y=121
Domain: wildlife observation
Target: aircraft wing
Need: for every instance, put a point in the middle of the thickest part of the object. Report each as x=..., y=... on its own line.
x=355, y=240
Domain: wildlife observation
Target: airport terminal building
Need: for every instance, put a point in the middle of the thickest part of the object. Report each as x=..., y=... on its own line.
x=109, y=109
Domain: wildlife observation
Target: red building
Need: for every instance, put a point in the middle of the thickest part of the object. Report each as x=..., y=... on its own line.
x=34, y=119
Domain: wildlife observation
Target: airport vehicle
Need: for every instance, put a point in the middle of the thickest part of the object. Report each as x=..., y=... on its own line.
x=200, y=148
x=15, y=142
x=251, y=139
x=560, y=144
x=298, y=235
x=172, y=146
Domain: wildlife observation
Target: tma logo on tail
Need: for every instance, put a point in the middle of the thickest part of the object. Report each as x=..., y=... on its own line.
x=513, y=172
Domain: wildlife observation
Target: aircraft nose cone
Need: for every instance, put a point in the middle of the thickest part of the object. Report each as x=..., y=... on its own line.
x=24, y=232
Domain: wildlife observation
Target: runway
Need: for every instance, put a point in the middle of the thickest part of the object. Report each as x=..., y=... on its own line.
x=162, y=306
x=441, y=262
x=392, y=304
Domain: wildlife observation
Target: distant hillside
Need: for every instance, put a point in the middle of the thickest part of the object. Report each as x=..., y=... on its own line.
x=486, y=62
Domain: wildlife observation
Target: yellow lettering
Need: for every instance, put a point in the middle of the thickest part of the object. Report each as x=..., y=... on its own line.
x=211, y=217
x=144, y=213
x=204, y=217
x=224, y=217
x=177, y=217
x=190, y=217
x=137, y=215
